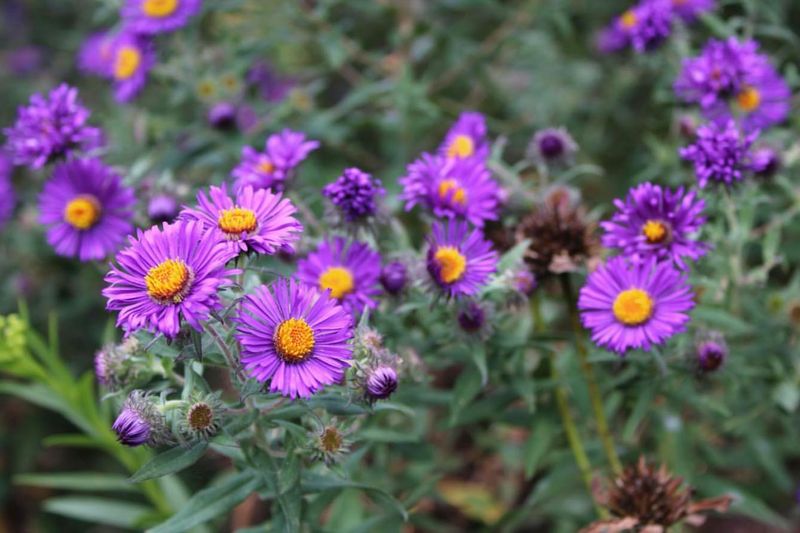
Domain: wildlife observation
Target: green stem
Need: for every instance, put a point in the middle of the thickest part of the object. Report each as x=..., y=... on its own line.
x=595, y=396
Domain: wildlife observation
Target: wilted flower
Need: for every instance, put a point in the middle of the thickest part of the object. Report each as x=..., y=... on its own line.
x=466, y=138
x=657, y=222
x=270, y=169
x=202, y=418
x=354, y=194
x=349, y=270
x=87, y=209
x=52, y=127
x=394, y=277
x=459, y=259
x=635, y=306
x=132, y=58
x=167, y=273
x=451, y=188
x=140, y=422
x=330, y=445
x=644, y=496
x=222, y=116
x=259, y=221
x=295, y=337
x=148, y=17
x=380, y=383
x=720, y=154
x=561, y=239
x=162, y=208
x=711, y=351
x=552, y=146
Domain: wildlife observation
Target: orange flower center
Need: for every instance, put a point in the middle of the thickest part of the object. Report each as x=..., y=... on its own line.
x=633, y=307
x=452, y=263
x=655, y=231
x=237, y=220
x=450, y=188
x=127, y=62
x=748, y=99
x=339, y=280
x=461, y=146
x=82, y=212
x=265, y=166
x=628, y=19
x=294, y=340
x=168, y=281
x=159, y=8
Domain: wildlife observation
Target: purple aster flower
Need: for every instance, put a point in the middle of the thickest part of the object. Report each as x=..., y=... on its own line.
x=354, y=193
x=222, y=116
x=689, y=10
x=657, y=222
x=381, y=383
x=765, y=162
x=272, y=86
x=162, y=208
x=552, y=146
x=87, y=209
x=644, y=27
x=132, y=57
x=167, y=273
x=711, y=351
x=8, y=198
x=763, y=100
x=635, y=306
x=720, y=153
x=148, y=17
x=96, y=53
x=140, y=422
x=471, y=317
x=294, y=336
x=255, y=220
x=348, y=270
x=452, y=188
x=51, y=127
x=272, y=168
x=466, y=138
x=459, y=259
x=394, y=277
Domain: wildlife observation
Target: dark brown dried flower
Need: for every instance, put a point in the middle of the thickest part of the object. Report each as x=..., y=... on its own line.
x=649, y=499
x=561, y=237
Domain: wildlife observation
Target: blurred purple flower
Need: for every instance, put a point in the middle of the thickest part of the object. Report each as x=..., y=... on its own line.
x=354, y=194
x=720, y=153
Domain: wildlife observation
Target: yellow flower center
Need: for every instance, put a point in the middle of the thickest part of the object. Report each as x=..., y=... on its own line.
x=82, y=212
x=633, y=307
x=159, y=8
x=266, y=166
x=127, y=62
x=451, y=264
x=450, y=187
x=655, y=231
x=294, y=340
x=748, y=99
x=237, y=220
x=628, y=19
x=168, y=281
x=461, y=146
x=338, y=279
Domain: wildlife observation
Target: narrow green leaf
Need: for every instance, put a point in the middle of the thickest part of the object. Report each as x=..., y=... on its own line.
x=317, y=483
x=169, y=462
x=98, y=510
x=538, y=443
x=88, y=481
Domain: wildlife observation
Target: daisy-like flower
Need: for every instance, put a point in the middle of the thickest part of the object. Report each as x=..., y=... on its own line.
x=644, y=27
x=272, y=168
x=8, y=198
x=721, y=153
x=451, y=188
x=167, y=273
x=731, y=78
x=657, y=222
x=689, y=10
x=87, y=209
x=349, y=270
x=354, y=194
x=459, y=259
x=255, y=220
x=132, y=57
x=635, y=306
x=95, y=54
x=52, y=127
x=466, y=138
x=148, y=17
x=295, y=337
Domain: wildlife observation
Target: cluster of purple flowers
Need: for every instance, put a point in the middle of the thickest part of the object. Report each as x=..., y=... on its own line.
x=126, y=56
x=355, y=194
x=649, y=23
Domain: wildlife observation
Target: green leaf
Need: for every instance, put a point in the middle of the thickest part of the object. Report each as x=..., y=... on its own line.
x=98, y=510
x=467, y=386
x=512, y=257
x=89, y=481
x=211, y=502
x=317, y=483
x=787, y=396
x=169, y=462
x=538, y=443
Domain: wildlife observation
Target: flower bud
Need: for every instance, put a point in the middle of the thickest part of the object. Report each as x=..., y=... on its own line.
x=393, y=277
